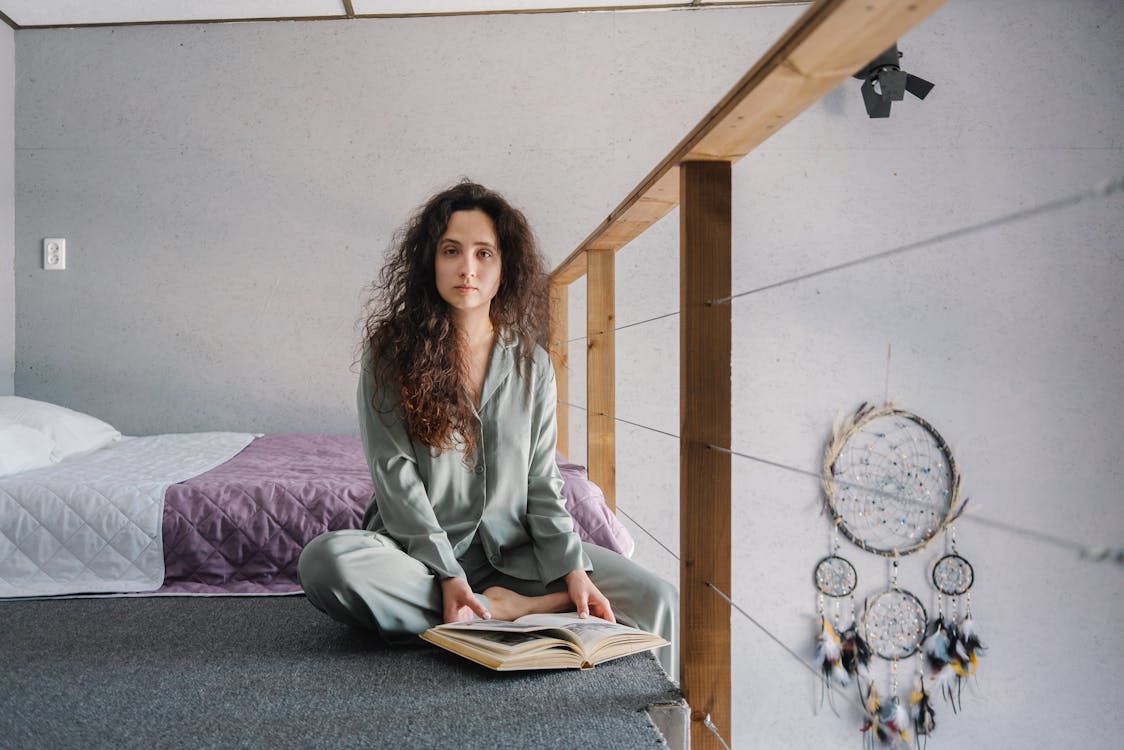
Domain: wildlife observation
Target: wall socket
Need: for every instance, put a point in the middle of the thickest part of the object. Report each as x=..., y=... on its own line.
x=54, y=254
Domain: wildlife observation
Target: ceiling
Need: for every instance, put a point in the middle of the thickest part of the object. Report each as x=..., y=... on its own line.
x=50, y=13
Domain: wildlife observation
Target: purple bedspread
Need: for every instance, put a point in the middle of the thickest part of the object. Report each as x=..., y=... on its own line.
x=593, y=520
x=240, y=528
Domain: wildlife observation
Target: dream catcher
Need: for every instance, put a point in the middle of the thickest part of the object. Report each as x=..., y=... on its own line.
x=841, y=652
x=951, y=646
x=891, y=486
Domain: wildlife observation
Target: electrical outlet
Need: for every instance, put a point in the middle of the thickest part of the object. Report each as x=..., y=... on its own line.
x=54, y=254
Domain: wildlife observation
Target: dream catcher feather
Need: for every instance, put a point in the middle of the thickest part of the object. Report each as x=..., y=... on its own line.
x=891, y=487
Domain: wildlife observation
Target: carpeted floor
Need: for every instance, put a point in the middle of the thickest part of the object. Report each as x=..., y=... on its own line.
x=273, y=672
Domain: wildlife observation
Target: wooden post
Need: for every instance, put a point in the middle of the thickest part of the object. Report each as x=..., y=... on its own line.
x=600, y=380
x=704, y=414
x=560, y=355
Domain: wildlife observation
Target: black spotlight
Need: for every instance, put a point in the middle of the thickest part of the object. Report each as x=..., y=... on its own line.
x=884, y=81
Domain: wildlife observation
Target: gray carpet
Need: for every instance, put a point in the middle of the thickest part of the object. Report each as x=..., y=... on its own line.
x=274, y=672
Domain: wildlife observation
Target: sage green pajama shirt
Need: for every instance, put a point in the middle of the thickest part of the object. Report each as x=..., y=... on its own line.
x=497, y=519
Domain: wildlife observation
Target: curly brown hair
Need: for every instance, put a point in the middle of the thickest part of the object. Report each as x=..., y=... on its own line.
x=415, y=348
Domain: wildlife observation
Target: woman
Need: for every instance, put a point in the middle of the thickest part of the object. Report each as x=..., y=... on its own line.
x=457, y=408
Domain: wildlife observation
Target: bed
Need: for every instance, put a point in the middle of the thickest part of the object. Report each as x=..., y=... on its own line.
x=87, y=511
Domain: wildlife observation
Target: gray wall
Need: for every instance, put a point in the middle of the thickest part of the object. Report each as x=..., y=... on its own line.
x=228, y=190
x=1010, y=340
x=7, y=210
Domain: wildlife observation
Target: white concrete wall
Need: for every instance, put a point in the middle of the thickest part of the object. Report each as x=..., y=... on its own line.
x=1010, y=340
x=7, y=210
x=227, y=191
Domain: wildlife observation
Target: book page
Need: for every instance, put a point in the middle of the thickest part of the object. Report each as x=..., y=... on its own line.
x=505, y=640
x=588, y=631
x=480, y=625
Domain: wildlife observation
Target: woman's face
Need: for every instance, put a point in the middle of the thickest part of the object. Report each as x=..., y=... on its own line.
x=468, y=262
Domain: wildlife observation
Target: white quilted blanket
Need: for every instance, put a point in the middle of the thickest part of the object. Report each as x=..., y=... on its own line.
x=92, y=524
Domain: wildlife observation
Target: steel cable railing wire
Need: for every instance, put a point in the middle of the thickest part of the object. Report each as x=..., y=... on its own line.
x=768, y=633
x=1103, y=190
x=837, y=689
x=1096, y=553
x=729, y=601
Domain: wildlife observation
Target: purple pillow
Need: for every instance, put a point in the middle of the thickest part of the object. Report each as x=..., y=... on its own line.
x=593, y=520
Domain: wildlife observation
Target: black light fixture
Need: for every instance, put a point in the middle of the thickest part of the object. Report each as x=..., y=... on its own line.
x=884, y=82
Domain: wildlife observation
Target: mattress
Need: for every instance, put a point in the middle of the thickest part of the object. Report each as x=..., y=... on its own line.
x=93, y=523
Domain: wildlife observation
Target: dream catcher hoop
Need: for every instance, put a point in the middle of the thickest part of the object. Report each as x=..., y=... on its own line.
x=894, y=622
x=890, y=481
x=836, y=576
x=953, y=575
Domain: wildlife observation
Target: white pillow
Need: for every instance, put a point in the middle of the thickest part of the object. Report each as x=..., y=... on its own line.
x=72, y=432
x=22, y=448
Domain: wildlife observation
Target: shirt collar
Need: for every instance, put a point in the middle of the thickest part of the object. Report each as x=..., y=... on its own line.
x=499, y=366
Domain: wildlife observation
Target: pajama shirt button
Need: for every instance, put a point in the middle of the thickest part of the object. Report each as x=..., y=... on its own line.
x=479, y=468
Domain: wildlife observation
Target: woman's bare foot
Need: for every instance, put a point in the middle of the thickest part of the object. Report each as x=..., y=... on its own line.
x=505, y=604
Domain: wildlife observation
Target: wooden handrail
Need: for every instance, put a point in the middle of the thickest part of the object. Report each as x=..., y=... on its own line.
x=826, y=45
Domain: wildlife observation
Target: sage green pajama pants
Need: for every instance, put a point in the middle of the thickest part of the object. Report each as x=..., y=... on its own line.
x=366, y=580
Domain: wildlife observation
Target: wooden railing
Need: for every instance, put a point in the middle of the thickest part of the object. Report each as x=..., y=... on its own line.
x=830, y=42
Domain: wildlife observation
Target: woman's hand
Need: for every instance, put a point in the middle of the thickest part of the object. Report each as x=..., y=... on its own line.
x=586, y=597
x=459, y=603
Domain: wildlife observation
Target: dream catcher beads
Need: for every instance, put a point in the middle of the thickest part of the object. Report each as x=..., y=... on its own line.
x=891, y=485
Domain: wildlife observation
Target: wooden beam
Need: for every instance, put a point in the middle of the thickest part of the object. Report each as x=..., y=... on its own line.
x=704, y=474
x=601, y=453
x=827, y=45
x=559, y=356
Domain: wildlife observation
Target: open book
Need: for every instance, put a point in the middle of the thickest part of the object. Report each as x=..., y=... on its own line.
x=542, y=641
